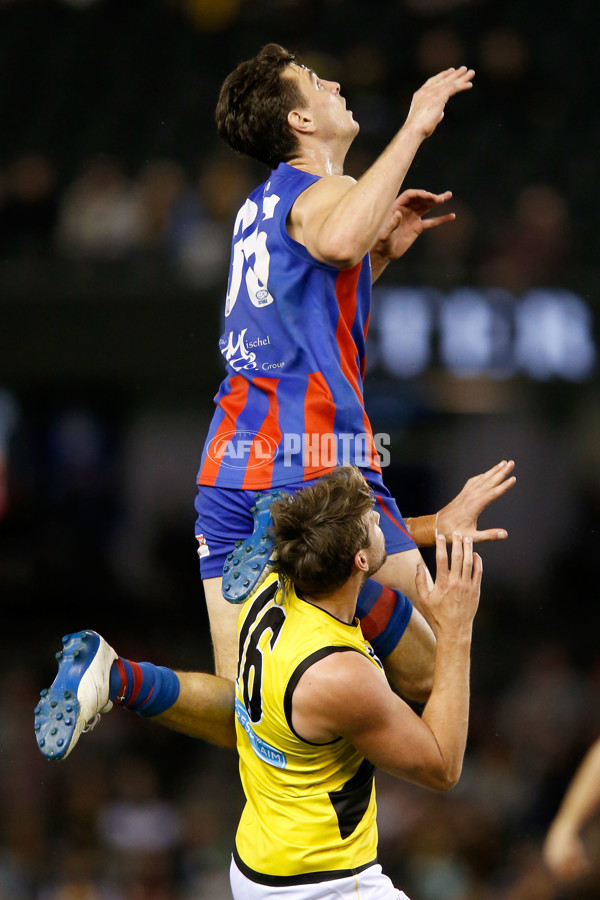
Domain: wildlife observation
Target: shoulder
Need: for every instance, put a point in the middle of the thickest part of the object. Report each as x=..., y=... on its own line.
x=326, y=190
x=335, y=693
x=313, y=205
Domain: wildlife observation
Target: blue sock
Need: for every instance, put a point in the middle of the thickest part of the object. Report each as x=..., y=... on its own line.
x=384, y=615
x=143, y=687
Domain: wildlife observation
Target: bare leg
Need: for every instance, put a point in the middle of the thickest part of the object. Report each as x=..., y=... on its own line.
x=410, y=665
x=204, y=709
x=399, y=572
x=223, y=617
x=80, y=693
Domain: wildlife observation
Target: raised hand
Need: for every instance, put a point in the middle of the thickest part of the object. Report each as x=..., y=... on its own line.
x=405, y=222
x=428, y=103
x=461, y=514
x=451, y=604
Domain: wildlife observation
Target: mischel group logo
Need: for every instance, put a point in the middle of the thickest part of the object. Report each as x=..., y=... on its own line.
x=253, y=449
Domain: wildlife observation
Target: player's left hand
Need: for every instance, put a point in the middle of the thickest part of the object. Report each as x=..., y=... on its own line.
x=405, y=222
x=461, y=514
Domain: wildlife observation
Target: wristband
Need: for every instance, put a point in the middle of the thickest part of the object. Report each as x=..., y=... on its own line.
x=423, y=530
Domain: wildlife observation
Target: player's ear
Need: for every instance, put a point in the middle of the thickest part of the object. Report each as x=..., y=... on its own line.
x=360, y=561
x=300, y=120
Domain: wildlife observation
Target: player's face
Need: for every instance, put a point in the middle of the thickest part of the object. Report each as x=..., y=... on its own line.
x=376, y=553
x=324, y=102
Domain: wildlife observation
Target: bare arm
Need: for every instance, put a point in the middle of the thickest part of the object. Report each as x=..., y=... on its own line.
x=339, y=220
x=426, y=750
x=461, y=514
x=563, y=851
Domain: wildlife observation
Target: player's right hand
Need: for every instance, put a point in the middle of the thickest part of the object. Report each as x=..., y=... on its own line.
x=451, y=605
x=428, y=103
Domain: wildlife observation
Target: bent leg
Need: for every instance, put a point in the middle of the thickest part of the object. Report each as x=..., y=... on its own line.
x=223, y=617
x=92, y=678
x=203, y=709
x=407, y=650
x=409, y=667
x=227, y=517
x=399, y=572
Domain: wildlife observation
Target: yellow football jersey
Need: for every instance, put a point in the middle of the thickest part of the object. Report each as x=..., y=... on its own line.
x=310, y=810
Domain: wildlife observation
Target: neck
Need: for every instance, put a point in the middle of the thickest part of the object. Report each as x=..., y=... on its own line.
x=319, y=158
x=340, y=603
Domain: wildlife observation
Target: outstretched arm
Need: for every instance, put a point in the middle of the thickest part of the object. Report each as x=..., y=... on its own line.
x=462, y=513
x=339, y=220
x=563, y=849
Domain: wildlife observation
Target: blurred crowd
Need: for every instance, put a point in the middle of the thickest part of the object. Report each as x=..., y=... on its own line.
x=163, y=215
x=104, y=214
x=109, y=154
x=117, y=156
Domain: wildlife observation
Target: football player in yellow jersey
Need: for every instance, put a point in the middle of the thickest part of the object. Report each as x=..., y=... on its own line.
x=314, y=711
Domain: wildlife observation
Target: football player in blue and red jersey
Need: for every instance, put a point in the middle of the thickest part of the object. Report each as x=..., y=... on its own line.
x=307, y=246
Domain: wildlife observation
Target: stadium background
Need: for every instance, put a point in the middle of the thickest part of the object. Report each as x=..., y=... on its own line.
x=116, y=202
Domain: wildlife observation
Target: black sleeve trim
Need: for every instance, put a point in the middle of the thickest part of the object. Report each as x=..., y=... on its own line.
x=296, y=676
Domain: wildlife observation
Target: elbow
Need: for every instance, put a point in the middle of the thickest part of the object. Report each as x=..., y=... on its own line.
x=349, y=262
x=433, y=774
x=438, y=774
x=446, y=778
x=446, y=785
x=343, y=253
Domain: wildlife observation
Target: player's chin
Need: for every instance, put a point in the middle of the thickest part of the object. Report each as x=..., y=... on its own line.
x=375, y=567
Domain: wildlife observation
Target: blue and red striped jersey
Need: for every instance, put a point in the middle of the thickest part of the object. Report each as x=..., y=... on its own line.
x=291, y=405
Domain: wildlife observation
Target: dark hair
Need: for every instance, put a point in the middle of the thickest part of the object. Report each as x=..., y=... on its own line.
x=318, y=530
x=253, y=107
